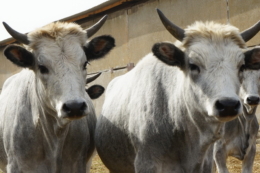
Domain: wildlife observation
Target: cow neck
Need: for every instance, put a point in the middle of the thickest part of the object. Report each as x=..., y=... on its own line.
x=53, y=139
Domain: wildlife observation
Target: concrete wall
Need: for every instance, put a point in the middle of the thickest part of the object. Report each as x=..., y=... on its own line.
x=136, y=29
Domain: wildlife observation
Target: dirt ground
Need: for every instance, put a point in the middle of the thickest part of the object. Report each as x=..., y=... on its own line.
x=234, y=165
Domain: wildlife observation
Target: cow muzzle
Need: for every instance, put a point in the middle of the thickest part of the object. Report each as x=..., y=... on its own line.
x=252, y=100
x=228, y=108
x=74, y=109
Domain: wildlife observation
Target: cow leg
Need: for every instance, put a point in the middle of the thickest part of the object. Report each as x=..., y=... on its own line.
x=248, y=162
x=220, y=156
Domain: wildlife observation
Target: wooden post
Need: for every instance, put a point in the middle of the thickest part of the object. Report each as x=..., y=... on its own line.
x=130, y=66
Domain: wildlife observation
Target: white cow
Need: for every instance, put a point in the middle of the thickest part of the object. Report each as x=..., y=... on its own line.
x=47, y=119
x=239, y=138
x=165, y=115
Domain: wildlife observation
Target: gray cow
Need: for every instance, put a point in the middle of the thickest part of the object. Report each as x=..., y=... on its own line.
x=240, y=134
x=47, y=119
x=165, y=115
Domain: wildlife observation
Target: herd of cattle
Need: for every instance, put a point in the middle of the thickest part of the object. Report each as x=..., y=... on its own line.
x=182, y=109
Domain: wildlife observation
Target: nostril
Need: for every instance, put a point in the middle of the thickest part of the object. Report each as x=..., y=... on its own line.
x=65, y=108
x=83, y=106
x=220, y=106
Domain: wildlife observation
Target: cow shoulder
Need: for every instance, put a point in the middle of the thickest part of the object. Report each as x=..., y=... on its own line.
x=99, y=47
x=169, y=54
x=19, y=55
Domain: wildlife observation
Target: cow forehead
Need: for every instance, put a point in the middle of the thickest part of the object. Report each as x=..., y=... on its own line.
x=58, y=32
x=212, y=43
x=206, y=53
x=58, y=41
x=51, y=51
x=215, y=32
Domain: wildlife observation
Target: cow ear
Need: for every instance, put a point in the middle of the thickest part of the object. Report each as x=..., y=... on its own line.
x=19, y=55
x=252, y=59
x=95, y=91
x=169, y=54
x=99, y=47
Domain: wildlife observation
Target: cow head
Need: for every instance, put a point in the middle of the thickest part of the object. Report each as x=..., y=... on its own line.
x=250, y=77
x=211, y=63
x=58, y=57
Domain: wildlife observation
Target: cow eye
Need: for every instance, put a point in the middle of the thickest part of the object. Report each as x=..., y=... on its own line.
x=194, y=67
x=43, y=69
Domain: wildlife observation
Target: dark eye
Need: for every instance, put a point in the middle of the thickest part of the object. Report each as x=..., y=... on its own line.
x=193, y=67
x=242, y=68
x=43, y=69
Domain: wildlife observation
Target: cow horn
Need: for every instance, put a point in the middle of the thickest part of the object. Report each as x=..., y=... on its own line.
x=16, y=35
x=176, y=31
x=250, y=32
x=90, y=79
x=93, y=29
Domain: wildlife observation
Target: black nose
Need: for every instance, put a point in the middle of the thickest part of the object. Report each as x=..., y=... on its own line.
x=74, y=109
x=228, y=107
x=252, y=100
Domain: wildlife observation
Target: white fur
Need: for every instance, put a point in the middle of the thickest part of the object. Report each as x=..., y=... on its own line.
x=160, y=119
x=34, y=135
x=239, y=138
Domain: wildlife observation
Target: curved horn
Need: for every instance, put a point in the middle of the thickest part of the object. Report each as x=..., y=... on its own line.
x=250, y=32
x=93, y=29
x=176, y=31
x=16, y=35
x=90, y=79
